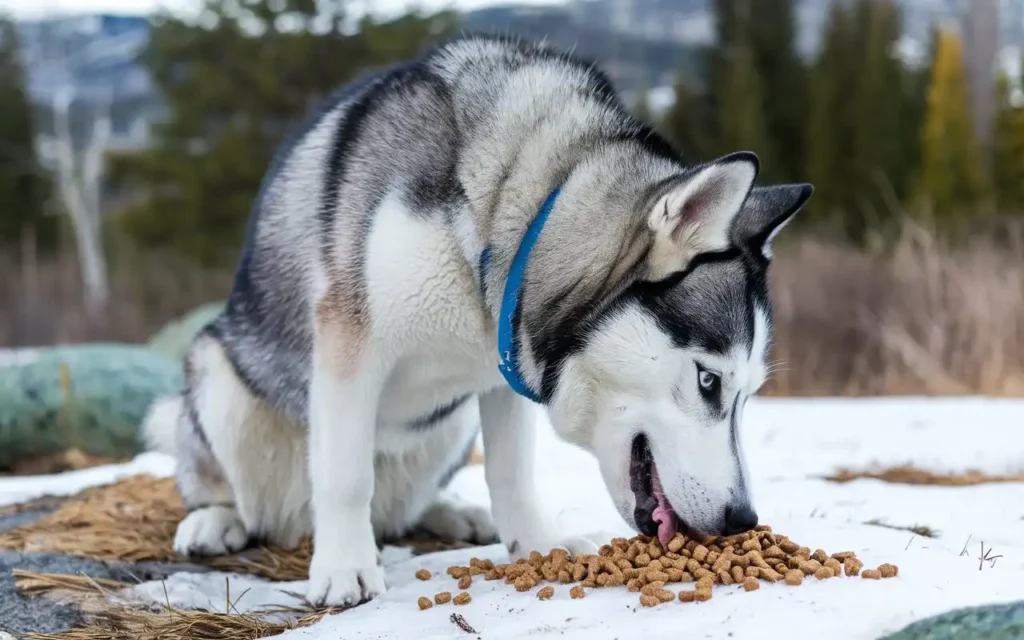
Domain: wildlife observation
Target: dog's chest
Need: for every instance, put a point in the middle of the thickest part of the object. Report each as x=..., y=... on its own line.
x=428, y=315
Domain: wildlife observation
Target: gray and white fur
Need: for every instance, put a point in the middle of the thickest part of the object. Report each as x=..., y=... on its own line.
x=356, y=360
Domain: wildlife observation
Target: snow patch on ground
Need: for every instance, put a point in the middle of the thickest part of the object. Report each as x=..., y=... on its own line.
x=790, y=444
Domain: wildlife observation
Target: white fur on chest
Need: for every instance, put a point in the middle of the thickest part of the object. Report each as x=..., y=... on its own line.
x=427, y=315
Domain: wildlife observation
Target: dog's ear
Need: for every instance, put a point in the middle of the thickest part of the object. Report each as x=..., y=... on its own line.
x=695, y=216
x=766, y=211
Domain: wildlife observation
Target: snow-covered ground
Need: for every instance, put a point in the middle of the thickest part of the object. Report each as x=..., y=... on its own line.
x=789, y=444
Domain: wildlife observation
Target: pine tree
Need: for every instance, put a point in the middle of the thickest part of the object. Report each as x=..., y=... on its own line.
x=741, y=117
x=689, y=122
x=952, y=182
x=1008, y=151
x=235, y=86
x=23, y=183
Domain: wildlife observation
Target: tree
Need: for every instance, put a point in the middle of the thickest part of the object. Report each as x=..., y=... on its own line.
x=1008, y=151
x=24, y=186
x=952, y=181
x=689, y=122
x=235, y=84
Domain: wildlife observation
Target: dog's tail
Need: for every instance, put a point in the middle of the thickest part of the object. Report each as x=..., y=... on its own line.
x=160, y=426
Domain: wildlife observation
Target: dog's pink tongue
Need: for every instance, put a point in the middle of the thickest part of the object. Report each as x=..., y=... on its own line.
x=663, y=513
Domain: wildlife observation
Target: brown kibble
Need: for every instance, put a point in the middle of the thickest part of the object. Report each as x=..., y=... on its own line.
x=623, y=564
x=648, y=600
x=477, y=571
x=578, y=571
x=590, y=582
x=458, y=572
x=705, y=583
x=751, y=544
x=794, y=578
x=423, y=574
x=665, y=595
x=751, y=584
x=674, y=575
x=700, y=553
x=642, y=560
x=687, y=577
x=654, y=550
x=805, y=552
x=724, y=576
x=888, y=570
x=809, y=567
x=752, y=571
x=693, y=566
x=536, y=559
x=656, y=565
x=852, y=566
x=771, y=575
x=843, y=556
x=496, y=573
x=606, y=550
x=712, y=557
x=823, y=573
x=781, y=567
x=462, y=598
x=577, y=592
x=723, y=562
x=524, y=583
x=652, y=588
x=871, y=574
x=687, y=596
x=616, y=580
x=676, y=543
x=464, y=582
x=657, y=576
x=443, y=598
x=702, y=595
x=737, y=574
x=819, y=555
x=424, y=603
x=546, y=593
x=788, y=546
x=635, y=585
x=834, y=565
x=629, y=574
x=774, y=552
x=602, y=580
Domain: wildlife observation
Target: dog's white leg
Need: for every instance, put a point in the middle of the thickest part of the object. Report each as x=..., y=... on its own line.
x=343, y=397
x=508, y=423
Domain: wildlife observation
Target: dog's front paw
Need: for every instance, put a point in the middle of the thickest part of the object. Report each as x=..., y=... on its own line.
x=210, y=531
x=343, y=586
x=522, y=546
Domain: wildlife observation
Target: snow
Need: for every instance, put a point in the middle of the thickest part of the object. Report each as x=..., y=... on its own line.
x=790, y=444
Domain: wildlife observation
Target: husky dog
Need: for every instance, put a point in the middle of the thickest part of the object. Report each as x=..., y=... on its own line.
x=446, y=245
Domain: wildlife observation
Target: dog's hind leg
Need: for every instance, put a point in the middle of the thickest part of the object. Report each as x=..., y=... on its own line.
x=241, y=465
x=412, y=486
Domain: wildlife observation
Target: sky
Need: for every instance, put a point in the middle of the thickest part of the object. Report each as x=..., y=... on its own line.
x=36, y=8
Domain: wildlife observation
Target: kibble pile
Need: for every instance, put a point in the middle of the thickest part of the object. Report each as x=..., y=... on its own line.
x=643, y=565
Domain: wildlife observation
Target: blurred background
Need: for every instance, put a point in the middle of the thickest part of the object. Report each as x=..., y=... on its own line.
x=133, y=137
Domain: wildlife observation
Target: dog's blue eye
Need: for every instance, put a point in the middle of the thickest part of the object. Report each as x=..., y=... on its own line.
x=708, y=381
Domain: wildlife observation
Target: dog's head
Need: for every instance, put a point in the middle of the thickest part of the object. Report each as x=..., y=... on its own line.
x=656, y=389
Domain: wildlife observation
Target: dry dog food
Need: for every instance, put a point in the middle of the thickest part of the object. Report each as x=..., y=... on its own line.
x=424, y=603
x=423, y=574
x=644, y=566
x=462, y=598
x=443, y=598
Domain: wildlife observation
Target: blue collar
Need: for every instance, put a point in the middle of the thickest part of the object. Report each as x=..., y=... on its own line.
x=508, y=346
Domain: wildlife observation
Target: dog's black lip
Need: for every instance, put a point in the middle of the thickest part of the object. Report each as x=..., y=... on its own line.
x=642, y=484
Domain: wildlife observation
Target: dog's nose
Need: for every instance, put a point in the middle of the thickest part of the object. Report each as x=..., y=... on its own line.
x=739, y=518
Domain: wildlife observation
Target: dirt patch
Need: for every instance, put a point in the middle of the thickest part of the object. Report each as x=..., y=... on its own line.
x=907, y=474
x=71, y=460
x=134, y=520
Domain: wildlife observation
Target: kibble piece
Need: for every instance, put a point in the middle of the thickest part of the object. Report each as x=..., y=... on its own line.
x=665, y=595
x=751, y=584
x=687, y=596
x=774, y=552
x=577, y=592
x=657, y=576
x=654, y=550
x=788, y=546
x=705, y=582
x=871, y=574
x=834, y=565
x=888, y=570
x=781, y=567
x=724, y=577
x=737, y=574
x=424, y=603
x=700, y=554
x=823, y=573
x=423, y=574
x=843, y=555
x=649, y=600
x=462, y=598
x=464, y=582
x=820, y=555
x=642, y=560
x=652, y=588
x=443, y=598
x=751, y=544
x=616, y=580
x=524, y=583
x=687, y=577
x=852, y=566
x=752, y=572
x=794, y=578
x=702, y=595
x=771, y=575
x=674, y=575
x=676, y=543
x=546, y=593
x=495, y=574
x=458, y=572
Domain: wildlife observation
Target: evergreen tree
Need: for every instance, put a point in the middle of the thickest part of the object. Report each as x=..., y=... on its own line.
x=23, y=183
x=741, y=117
x=235, y=84
x=952, y=181
x=689, y=123
x=1008, y=151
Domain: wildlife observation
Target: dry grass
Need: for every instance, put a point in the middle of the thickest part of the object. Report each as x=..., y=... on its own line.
x=134, y=520
x=70, y=460
x=906, y=474
x=916, y=318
